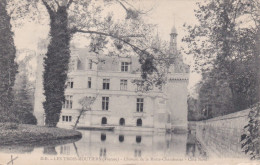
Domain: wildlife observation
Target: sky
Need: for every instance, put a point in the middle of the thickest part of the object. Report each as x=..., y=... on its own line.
x=164, y=13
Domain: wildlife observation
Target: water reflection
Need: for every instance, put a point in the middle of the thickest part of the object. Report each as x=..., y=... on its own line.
x=134, y=144
x=138, y=139
x=103, y=137
x=191, y=145
x=121, y=138
x=103, y=152
x=49, y=150
x=126, y=144
x=47, y=147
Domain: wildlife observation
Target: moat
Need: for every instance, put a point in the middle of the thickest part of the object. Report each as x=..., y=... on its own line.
x=119, y=146
x=113, y=144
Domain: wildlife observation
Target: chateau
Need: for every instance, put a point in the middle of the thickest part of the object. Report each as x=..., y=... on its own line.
x=119, y=103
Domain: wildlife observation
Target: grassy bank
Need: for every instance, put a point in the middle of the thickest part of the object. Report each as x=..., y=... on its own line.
x=23, y=133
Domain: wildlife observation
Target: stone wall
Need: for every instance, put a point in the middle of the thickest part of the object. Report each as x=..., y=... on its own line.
x=221, y=136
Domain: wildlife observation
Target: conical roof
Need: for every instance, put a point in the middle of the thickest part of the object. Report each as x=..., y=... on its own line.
x=174, y=31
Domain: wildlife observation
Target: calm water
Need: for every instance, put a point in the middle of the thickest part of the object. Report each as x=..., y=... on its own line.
x=122, y=145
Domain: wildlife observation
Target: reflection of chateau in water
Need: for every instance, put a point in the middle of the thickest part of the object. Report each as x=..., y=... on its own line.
x=129, y=145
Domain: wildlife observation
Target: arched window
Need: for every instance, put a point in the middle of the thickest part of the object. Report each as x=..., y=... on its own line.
x=122, y=121
x=121, y=138
x=139, y=122
x=103, y=137
x=104, y=120
x=138, y=139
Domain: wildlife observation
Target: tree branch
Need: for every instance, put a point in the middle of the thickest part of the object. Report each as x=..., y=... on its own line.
x=47, y=7
x=12, y=11
x=135, y=48
x=57, y=3
x=236, y=10
x=120, y=38
x=122, y=5
x=70, y=2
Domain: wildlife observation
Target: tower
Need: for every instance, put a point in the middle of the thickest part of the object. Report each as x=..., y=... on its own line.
x=176, y=87
x=173, y=40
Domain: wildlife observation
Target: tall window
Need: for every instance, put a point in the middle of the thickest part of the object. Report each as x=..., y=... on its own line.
x=89, y=82
x=124, y=66
x=105, y=103
x=70, y=83
x=68, y=102
x=66, y=118
x=106, y=84
x=139, y=104
x=123, y=85
x=90, y=62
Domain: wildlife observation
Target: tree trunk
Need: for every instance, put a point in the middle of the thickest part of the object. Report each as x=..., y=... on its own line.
x=56, y=65
x=8, y=67
x=257, y=54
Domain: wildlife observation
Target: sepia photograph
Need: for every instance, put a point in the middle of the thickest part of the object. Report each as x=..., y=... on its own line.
x=130, y=82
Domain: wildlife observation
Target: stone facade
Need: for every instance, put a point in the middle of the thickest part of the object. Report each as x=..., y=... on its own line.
x=119, y=102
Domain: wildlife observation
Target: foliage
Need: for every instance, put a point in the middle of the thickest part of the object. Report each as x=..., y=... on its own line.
x=193, y=110
x=86, y=102
x=56, y=65
x=68, y=17
x=251, y=138
x=24, y=89
x=215, y=95
x=8, y=67
x=22, y=105
x=27, y=134
x=224, y=50
x=8, y=126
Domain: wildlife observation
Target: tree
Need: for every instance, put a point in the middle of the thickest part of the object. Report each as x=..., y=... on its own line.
x=23, y=92
x=215, y=96
x=22, y=105
x=251, y=137
x=225, y=48
x=193, y=110
x=8, y=67
x=70, y=17
x=86, y=103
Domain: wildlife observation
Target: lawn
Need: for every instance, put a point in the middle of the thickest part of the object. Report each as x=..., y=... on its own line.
x=23, y=133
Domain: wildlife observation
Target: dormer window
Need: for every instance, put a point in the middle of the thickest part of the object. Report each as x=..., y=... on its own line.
x=124, y=66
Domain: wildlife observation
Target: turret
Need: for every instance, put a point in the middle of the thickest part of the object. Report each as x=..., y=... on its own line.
x=173, y=40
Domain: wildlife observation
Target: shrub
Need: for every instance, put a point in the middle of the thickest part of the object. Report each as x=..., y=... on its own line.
x=26, y=117
x=251, y=138
x=6, y=126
